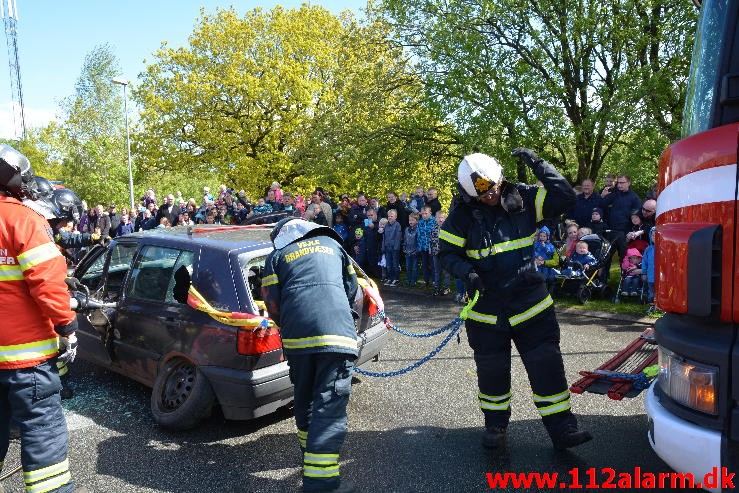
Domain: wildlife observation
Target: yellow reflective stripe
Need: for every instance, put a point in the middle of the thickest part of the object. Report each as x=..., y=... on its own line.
x=320, y=472
x=482, y=317
x=539, y=203
x=505, y=246
x=321, y=459
x=37, y=255
x=531, y=312
x=327, y=340
x=552, y=398
x=453, y=239
x=350, y=269
x=494, y=397
x=45, y=472
x=302, y=433
x=491, y=406
x=29, y=351
x=269, y=280
x=555, y=408
x=11, y=273
x=49, y=484
x=61, y=368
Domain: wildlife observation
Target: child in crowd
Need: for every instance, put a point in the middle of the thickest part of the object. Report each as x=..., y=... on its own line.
x=581, y=261
x=318, y=215
x=380, y=239
x=339, y=226
x=441, y=277
x=262, y=207
x=371, y=244
x=597, y=225
x=355, y=246
x=647, y=268
x=418, y=200
x=543, y=251
x=410, y=249
x=631, y=270
x=425, y=225
x=391, y=239
x=638, y=234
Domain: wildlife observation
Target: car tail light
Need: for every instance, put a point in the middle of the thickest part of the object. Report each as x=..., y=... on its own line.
x=258, y=341
x=689, y=383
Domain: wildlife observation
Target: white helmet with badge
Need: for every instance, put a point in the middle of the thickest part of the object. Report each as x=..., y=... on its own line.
x=479, y=173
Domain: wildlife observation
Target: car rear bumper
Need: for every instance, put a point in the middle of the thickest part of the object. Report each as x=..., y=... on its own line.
x=250, y=394
x=684, y=446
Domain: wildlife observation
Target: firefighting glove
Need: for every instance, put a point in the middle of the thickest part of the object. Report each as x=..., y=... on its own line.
x=74, y=284
x=528, y=156
x=67, y=349
x=474, y=283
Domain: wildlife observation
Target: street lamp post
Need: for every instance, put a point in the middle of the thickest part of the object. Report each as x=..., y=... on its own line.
x=124, y=83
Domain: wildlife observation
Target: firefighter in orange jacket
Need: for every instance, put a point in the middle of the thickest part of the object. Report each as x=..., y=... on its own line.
x=35, y=297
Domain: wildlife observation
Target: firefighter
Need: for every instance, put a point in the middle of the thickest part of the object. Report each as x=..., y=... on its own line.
x=34, y=295
x=488, y=240
x=318, y=337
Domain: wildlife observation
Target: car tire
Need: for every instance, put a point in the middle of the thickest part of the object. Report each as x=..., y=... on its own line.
x=182, y=396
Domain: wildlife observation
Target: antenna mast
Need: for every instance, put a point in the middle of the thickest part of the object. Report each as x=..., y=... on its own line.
x=10, y=16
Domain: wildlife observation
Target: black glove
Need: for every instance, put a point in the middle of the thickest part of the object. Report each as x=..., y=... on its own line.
x=74, y=284
x=528, y=156
x=474, y=283
x=67, y=349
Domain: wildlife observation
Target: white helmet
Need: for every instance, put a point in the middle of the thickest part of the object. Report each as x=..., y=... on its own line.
x=479, y=173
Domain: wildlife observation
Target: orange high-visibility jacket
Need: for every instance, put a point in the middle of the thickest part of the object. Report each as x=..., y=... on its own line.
x=33, y=295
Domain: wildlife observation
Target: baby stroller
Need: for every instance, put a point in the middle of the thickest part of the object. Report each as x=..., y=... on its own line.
x=584, y=284
x=627, y=289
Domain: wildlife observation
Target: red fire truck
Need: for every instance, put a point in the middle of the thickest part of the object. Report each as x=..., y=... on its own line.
x=693, y=406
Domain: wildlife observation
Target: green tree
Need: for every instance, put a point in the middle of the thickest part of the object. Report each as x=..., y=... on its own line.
x=298, y=96
x=92, y=135
x=576, y=79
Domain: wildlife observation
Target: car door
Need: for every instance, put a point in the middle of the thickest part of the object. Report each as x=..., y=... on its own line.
x=102, y=272
x=152, y=317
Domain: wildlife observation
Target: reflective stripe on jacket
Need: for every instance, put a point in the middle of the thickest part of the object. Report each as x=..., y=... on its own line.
x=498, y=243
x=309, y=287
x=33, y=295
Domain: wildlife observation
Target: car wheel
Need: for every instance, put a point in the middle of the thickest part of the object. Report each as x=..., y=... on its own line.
x=583, y=294
x=182, y=395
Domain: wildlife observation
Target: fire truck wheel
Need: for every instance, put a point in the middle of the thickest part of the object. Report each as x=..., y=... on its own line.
x=182, y=395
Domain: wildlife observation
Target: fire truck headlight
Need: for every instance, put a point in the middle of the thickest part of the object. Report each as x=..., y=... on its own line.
x=687, y=382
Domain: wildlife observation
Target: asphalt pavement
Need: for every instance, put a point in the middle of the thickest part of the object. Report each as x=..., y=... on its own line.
x=418, y=432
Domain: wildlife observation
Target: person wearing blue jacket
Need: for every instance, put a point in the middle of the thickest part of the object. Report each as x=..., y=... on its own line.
x=647, y=265
x=391, y=240
x=318, y=339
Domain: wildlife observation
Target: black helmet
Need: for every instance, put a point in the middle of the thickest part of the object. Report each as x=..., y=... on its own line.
x=68, y=204
x=16, y=174
x=44, y=186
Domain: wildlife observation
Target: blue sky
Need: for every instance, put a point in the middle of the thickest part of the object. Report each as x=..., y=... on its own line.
x=55, y=35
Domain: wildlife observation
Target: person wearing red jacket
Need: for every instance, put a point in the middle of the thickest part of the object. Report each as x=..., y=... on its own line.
x=34, y=296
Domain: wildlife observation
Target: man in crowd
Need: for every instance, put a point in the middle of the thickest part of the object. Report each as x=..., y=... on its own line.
x=586, y=202
x=170, y=210
x=619, y=204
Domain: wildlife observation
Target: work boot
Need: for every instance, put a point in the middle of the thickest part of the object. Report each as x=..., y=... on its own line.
x=66, y=393
x=571, y=437
x=494, y=437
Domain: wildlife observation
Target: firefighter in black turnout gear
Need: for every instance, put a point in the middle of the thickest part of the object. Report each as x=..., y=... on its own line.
x=309, y=287
x=488, y=239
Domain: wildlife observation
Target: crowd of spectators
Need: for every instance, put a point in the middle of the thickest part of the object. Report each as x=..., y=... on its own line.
x=404, y=231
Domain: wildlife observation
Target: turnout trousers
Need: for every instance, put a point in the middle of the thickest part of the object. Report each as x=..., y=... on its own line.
x=537, y=341
x=323, y=383
x=30, y=398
